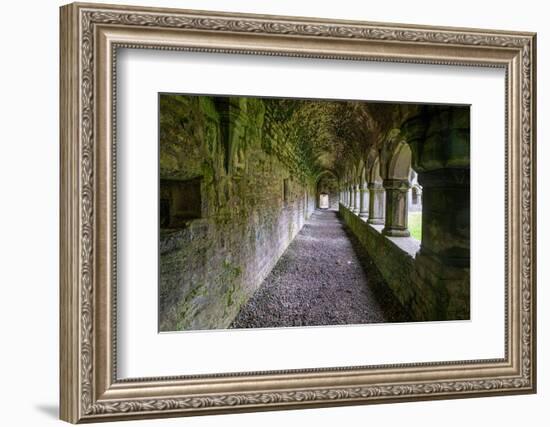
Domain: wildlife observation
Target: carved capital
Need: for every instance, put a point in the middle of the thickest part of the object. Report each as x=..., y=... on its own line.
x=397, y=184
x=375, y=186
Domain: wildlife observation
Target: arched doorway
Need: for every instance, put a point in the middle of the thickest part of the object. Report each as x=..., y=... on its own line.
x=327, y=189
x=323, y=201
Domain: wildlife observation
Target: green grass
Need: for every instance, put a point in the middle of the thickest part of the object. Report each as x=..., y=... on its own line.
x=415, y=225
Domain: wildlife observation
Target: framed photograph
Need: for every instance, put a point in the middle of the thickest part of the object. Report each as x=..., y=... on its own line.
x=266, y=212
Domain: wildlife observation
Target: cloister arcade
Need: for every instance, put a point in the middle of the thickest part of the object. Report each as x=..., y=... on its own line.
x=260, y=169
x=381, y=200
x=423, y=162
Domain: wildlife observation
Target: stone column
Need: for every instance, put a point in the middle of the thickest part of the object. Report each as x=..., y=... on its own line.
x=396, y=207
x=352, y=200
x=357, y=199
x=446, y=215
x=350, y=197
x=440, y=141
x=364, y=205
x=376, y=203
x=443, y=262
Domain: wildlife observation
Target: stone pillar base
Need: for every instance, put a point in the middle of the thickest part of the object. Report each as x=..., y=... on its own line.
x=396, y=232
x=375, y=221
x=364, y=203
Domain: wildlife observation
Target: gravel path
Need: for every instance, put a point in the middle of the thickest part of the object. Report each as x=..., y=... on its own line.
x=321, y=280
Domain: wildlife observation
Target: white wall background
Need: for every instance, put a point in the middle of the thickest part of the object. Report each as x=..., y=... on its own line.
x=29, y=170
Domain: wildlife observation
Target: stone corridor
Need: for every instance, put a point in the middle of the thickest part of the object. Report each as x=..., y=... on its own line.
x=323, y=278
x=242, y=239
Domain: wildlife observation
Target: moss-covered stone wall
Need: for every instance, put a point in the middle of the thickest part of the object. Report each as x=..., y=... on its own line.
x=253, y=198
x=426, y=299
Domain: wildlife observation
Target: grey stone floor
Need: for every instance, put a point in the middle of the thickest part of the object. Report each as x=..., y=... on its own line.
x=323, y=278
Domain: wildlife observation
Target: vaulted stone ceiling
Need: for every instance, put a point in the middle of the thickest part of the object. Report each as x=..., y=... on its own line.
x=312, y=136
x=344, y=136
x=334, y=135
x=239, y=175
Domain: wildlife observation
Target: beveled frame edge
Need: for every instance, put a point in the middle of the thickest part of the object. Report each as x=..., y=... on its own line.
x=88, y=390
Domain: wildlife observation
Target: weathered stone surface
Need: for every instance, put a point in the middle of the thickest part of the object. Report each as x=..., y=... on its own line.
x=253, y=168
x=439, y=137
x=446, y=215
x=396, y=207
x=428, y=290
x=376, y=203
x=328, y=184
x=212, y=264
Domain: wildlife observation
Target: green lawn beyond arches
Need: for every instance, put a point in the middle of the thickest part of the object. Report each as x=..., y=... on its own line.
x=415, y=225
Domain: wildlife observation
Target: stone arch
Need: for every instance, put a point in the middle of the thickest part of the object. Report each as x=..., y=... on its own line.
x=361, y=168
x=372, y=156
x=376, y=192
x=374, y=172
x=327, y=182
x=397, y=158
x=398, y=155
x=327, y=172
x=357, y=184
x=362, y=192
x=399, y=166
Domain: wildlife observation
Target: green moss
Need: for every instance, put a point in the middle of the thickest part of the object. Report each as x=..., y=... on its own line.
x=243, y=148
x=232, y=273
x=186, y=306
x=206, y=105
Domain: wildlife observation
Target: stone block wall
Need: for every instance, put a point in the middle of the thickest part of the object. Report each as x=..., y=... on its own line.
x=253, y=205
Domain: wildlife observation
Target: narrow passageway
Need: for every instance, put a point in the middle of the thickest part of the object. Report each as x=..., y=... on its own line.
x=237, y=174
x=323, y=278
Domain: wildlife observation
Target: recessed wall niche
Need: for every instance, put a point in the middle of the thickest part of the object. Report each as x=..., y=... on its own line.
x=180, y=202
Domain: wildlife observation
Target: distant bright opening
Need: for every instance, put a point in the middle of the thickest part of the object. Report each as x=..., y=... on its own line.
x=415, y=207
x=323, y=201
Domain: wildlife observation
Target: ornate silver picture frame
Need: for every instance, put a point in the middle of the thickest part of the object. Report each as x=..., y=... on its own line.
x=91, y=35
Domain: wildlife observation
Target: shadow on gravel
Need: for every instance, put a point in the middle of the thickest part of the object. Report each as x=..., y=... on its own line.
x=391, y=307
